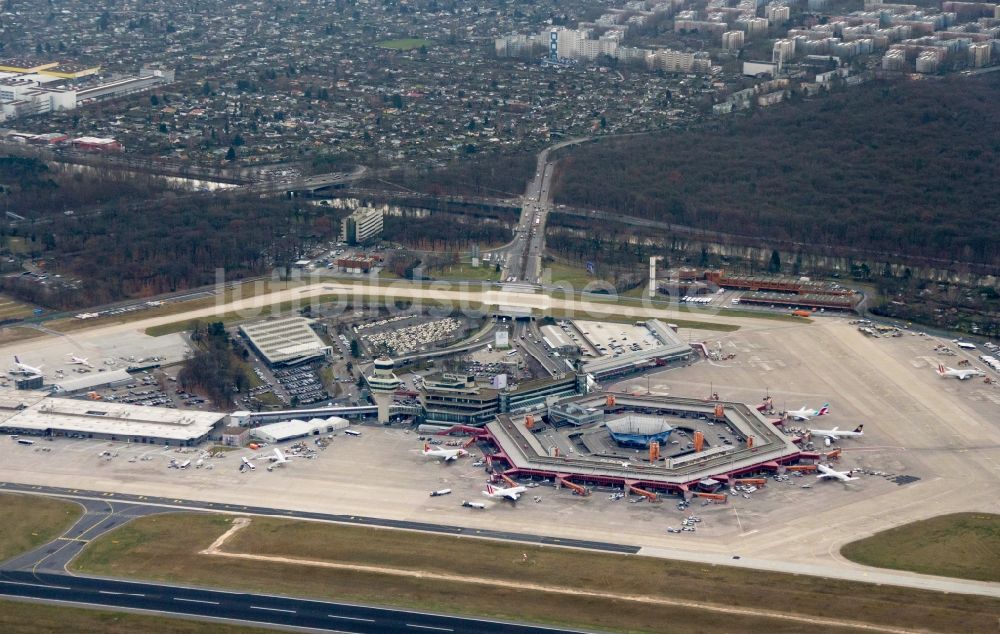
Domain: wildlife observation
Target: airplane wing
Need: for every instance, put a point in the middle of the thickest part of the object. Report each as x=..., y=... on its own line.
x=513, y=496
x=453, y=456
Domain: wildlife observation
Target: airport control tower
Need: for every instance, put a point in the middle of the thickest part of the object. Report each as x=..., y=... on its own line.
x=383, y=383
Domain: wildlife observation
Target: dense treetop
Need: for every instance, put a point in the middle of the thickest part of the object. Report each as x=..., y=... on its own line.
x=901, y=168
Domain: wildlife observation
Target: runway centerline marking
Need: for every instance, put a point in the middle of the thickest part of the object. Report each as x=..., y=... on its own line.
x=196, y=601
x=350, y=618
x=258, y=607
x=430, y=627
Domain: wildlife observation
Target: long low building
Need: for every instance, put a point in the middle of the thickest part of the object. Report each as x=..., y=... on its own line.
x=92, y=381
x=39, y=414
x=297, y=428
x=670, y=349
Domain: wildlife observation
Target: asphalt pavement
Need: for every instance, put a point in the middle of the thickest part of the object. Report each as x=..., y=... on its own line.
x=246, y=608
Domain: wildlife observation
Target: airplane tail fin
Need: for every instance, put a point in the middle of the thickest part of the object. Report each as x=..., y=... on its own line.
x=824, y=410
x=427, y=447
x=16, y=360
x=860, y=429
x=940, y=368
x=490, y=489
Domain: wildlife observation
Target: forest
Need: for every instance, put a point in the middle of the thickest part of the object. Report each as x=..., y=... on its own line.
x=218, y=367
x=898, y=169
x=137, y=247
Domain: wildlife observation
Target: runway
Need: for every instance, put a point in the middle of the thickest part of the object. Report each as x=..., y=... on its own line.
x=160, y=504
x=245, y=608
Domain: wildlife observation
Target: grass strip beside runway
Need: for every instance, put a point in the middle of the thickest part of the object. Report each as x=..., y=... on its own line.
x=669, y=595
x=28, y=521
x=962, y=545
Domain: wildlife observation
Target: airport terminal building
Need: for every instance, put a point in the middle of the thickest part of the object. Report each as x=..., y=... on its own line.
x=36, y=413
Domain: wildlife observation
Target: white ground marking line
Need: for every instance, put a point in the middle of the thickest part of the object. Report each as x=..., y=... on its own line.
x=258, y=607
x=35, y=585
x=350, y=618
x=430, y=627
x=196, y=601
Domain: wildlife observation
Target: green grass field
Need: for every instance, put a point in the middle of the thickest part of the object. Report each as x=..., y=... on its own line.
x=28, y=521
x=165, y=547
x=963, y=545
x=485, y=272
x=11, y=308
x=404, y=44
x=18, y=617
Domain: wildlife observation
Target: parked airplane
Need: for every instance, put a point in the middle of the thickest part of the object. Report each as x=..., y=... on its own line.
x=827, y=472
x=277, y=460
x=24, y=368
x=247, y=464
x=447, y=454
x=510, y=493
x=961, y=375
x=807, y=413
x=184, y=465
x=832, y=435
x=75, y=360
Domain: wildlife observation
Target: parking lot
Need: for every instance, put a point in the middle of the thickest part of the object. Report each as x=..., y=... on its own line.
x=402, y=337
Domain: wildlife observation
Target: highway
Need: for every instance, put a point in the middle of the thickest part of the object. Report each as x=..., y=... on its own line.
x=524, y=254
x=245, y=608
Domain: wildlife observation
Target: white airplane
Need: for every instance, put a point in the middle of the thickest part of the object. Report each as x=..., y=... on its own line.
x=24, y=368
x=184, y=465
x=961, y=375
x=247, y=464
x=447, y=454
x=511, y=493
x=278, y=459
x=806, y=413
x=75, y=360
x=827, y=472
x=832, y=435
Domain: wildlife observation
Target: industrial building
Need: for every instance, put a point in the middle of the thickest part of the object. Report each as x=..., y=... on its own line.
x=26, y=91
x=363, y=226
x=285, y=341
x=37, y=413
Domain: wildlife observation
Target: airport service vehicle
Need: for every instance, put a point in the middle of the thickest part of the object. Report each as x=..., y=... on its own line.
x=246, y=464
x=184, y=465
x=24, y=368
x=474, y=505
x=827, y=472
x=806, y=413
x=351, y=432
x=833, y=435
x=510, y=493
x=447, y=454
x=25, y=441
x=961, y=375
x=440, y=492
